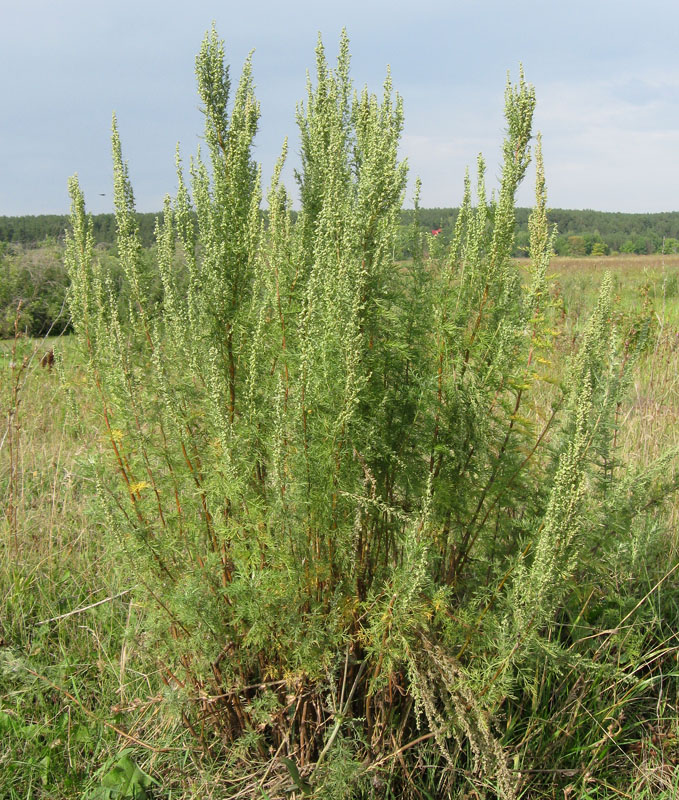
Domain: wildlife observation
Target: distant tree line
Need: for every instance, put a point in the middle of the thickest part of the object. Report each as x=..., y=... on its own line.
x=31, y=230
x=581, y=233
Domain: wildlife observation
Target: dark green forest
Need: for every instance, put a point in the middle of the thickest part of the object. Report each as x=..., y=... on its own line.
x=30, y=230
x=581, y=232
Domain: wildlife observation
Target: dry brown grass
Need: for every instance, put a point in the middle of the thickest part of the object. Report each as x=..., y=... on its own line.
x=623, y=264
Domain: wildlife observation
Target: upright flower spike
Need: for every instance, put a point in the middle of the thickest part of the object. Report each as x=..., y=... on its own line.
x=519, y=108
x=214, y=85
x=227, y=199
x=128, y=240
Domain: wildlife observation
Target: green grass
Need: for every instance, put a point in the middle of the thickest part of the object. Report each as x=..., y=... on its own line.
x=84, y=713
x=640, y=281
x=65, y=678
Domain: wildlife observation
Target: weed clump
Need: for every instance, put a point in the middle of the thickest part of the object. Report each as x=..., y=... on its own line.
x=362, y=507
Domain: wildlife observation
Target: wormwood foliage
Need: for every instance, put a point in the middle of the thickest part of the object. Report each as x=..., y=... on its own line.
x=356, y=495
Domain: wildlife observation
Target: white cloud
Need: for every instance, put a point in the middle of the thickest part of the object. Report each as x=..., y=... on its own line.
x=612, y=144
x=609, y=144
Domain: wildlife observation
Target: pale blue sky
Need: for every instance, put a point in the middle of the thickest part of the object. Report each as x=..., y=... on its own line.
x=606, y=75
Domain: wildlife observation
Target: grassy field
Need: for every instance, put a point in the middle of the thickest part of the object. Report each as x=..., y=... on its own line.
x=75, y=690
x=83, y=710
x=647, y=289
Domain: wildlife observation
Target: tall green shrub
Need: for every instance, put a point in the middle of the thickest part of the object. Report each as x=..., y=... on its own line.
x=35, y=278
x=353, y=491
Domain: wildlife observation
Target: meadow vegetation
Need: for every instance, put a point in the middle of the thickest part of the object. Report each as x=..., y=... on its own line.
x=287, y=519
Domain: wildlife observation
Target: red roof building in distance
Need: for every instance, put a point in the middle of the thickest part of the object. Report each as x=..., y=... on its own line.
x=436, y=231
